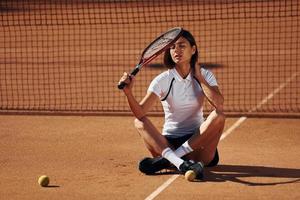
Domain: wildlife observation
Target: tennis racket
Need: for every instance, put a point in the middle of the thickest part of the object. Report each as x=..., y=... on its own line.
x=154, y=49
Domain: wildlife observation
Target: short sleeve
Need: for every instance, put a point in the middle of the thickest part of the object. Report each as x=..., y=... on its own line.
x=209, y=77
x=155, y=88
x=159, y=84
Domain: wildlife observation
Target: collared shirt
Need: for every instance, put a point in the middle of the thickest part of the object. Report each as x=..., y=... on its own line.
x=182, y=100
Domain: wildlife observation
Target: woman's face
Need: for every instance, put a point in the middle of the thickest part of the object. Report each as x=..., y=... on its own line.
x=181, y=52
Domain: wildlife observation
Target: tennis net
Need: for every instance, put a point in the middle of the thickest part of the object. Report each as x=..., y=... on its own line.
x=67, y=56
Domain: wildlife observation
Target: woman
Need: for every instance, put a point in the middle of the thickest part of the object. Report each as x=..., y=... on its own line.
x=187, y=141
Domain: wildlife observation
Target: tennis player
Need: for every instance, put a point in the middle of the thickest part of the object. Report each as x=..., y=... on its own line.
x=188, y=141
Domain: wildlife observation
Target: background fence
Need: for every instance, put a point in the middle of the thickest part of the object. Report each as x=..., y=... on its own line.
x=67, y=56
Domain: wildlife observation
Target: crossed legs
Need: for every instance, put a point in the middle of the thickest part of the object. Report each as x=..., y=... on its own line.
x=204, y=143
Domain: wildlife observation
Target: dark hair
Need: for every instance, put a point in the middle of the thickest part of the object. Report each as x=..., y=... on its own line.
x=168, y=61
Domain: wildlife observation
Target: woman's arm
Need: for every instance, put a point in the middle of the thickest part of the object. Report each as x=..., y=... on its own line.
x=138, y=109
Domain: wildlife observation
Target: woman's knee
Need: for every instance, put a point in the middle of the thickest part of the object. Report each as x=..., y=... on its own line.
x=219, y=117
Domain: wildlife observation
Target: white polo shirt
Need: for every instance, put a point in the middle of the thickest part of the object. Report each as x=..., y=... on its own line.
x=182, y=101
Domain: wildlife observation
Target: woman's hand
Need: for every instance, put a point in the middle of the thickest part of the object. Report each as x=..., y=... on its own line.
x=129, y=80
x=212, y=93
x=197, y=73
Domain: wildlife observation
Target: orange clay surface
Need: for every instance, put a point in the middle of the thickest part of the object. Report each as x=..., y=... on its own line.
x=96, y=158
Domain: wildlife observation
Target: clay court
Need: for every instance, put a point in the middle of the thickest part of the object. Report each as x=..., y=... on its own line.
x=62, y=114
x=96, y=158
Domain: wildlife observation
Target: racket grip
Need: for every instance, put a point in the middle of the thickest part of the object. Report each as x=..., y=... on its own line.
x=135, y=71
x=121, y=85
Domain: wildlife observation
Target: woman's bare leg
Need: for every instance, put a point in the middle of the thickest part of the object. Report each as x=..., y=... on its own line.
x=155, y=142
x=205, y=144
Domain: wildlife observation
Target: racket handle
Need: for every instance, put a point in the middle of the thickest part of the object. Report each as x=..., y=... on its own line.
x=133, y=73
x=121, y=85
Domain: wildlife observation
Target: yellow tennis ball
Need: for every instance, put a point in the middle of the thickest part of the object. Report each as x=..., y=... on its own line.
x=44, y=181
x=190, y=175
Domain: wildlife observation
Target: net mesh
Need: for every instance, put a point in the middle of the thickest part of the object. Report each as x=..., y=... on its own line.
x=67, y=56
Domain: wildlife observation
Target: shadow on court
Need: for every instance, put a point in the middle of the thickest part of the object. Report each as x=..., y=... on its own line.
x=52, y=186
x=238, y=174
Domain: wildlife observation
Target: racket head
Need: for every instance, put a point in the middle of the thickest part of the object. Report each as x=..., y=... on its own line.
x=155, y=48
x=160, y=44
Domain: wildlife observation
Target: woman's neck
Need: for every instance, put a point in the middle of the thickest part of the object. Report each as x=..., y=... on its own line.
x=183, y=70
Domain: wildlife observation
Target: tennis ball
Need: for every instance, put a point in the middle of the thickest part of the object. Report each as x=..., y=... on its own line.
x=190, y=175
x=44, y=181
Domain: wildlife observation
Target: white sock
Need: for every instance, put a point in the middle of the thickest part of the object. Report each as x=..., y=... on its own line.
x=169, y=154
x=184, y=149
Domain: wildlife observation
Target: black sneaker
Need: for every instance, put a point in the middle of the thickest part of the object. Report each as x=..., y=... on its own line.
x=153, y=165
x=196, y=167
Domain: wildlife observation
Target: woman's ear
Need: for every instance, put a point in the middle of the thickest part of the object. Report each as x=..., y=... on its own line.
x=194, y=48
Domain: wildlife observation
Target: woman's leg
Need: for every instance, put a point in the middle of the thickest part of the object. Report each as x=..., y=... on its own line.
x=158, y=144
x=154, y=141
x=205, y=143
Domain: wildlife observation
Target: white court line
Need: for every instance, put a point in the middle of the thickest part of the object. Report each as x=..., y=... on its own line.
x=271, y=95
x=226, y=133
x=233, y=127
x=162, y=187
